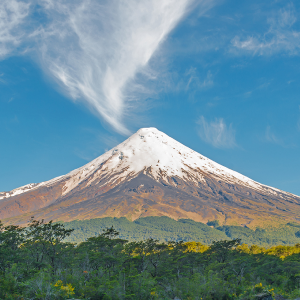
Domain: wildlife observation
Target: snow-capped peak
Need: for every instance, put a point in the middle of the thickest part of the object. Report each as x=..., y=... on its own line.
x=161, y=157
x=152, y=151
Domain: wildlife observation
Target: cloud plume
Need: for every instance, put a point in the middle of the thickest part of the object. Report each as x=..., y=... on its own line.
x=95, y=49
x=216, y=133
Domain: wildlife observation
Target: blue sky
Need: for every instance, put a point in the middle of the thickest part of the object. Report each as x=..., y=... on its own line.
x=78, y=77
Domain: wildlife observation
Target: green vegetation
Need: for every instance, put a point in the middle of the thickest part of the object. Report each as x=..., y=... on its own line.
x=37, y=263
x=160, y=228
x=214, y=223
x=165, y=229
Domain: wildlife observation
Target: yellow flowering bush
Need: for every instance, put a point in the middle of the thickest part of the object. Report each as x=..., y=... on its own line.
x=259, y=288
x=64, y=290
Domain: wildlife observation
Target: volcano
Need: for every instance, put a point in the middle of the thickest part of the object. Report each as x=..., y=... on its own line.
x=151, y=174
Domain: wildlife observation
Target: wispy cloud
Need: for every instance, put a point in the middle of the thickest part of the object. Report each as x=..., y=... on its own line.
x=96, y=143
x=12, y=15
x=195, y=81
x=1, y=78
x=271, y=137
x=248, y=94
x=190, y=81
x=95, y=50
x=216, y=133
x=280, y=37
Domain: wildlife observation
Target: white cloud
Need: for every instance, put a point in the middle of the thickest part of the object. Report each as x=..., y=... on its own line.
x=94, y=50
x=190, y=81
x=12, y=15
x=195, y=81
x=216, y=133
x=280, y=36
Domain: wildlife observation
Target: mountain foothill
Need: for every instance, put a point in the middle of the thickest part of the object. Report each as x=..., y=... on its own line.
x=152, y=175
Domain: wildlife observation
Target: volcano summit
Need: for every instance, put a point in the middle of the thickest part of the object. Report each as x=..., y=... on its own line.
x=151, y=174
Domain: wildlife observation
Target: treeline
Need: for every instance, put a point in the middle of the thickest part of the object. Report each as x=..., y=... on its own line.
x=165, y=229
x=36, y=263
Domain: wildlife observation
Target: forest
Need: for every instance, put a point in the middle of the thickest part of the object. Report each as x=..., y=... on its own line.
x=165, y=229
x=36, y=262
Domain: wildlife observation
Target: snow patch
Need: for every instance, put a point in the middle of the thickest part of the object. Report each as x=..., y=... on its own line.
x=18, y=191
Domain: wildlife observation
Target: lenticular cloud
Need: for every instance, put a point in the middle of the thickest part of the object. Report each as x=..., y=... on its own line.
x=94, y=49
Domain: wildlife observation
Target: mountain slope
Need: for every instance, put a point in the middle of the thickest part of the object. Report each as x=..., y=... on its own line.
x=151, y=174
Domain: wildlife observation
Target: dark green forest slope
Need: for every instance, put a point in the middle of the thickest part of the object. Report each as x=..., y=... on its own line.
x=37, y=264
x=166, y=229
